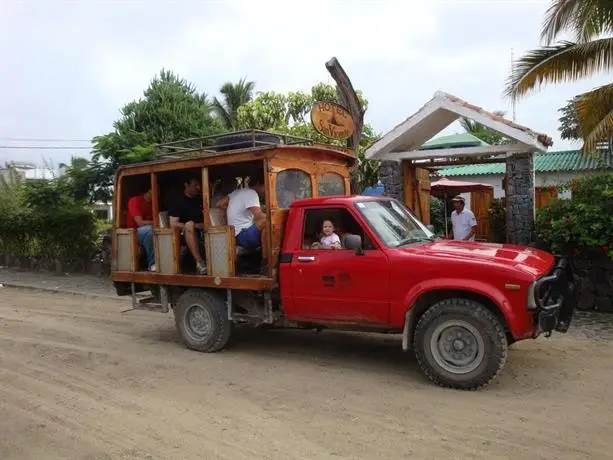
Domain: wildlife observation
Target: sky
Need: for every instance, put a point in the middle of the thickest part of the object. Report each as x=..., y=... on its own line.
x=69, y=66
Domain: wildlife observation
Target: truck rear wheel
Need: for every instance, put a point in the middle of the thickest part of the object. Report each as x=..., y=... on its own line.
x=202, y=320
x=460, y=344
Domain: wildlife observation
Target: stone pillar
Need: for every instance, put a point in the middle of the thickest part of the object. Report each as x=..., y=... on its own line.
x=520, y=198
x=390, y=174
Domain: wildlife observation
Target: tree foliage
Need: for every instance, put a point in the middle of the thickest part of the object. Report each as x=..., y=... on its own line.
x=483, y=132
x=289, y=113
x=590, y=23
x=569, y=123
x=171, y=109
x=234, y=95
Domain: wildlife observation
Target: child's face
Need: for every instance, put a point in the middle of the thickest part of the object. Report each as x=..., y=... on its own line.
x=328, y=228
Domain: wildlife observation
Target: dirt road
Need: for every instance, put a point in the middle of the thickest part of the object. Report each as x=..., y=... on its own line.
x=81, y=380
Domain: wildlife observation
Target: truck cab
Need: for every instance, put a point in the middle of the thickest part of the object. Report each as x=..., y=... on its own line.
x=456, y=305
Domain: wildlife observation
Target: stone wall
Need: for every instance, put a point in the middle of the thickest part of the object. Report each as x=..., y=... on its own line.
x=520, y=198
x=594, y=284
x=390, y=174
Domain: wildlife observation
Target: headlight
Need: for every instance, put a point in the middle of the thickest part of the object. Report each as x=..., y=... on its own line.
x=531, y=300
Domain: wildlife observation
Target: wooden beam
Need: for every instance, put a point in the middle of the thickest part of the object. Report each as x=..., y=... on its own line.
x=457, y=152
x=349, y=99
x=155, y=200
x=438, y=164
x=206, y=199
x=498, y=126
x=213, y=282
x=378, y=151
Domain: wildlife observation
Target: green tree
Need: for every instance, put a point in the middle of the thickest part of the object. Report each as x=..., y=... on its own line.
x=590, y=23
x=571, y=130
x=569, y=123
x=484, y=133
x=234, y=95
x=172, y=109
x=291, y=114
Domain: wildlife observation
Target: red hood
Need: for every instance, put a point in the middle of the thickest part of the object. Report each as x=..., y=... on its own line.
x=532, y=261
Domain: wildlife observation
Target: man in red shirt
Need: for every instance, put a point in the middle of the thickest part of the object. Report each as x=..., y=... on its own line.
x=140, y=217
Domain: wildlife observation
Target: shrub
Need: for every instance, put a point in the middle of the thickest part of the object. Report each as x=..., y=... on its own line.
x=437, y=215
x=498, y=220
x=40, y=219
x=582, y=225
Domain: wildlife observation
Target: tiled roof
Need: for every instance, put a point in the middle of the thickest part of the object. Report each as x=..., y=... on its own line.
x=565, y=160
x=454, y=141
x=543, y=138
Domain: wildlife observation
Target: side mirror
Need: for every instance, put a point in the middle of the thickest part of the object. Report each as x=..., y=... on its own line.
x=430, y=227
x=354, y=242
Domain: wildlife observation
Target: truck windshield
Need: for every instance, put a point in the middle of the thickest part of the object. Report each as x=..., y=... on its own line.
x=393, y=223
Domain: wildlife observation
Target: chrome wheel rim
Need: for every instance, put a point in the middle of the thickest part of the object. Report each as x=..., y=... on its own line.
x=457, y=346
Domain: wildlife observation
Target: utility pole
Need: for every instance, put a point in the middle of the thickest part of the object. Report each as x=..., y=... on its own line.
x=513, y=75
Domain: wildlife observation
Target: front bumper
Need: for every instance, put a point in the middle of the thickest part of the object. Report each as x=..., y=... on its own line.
x=555, y=299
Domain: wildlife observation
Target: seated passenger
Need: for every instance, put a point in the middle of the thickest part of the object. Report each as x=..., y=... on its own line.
x=223, y=188
x=245, y=214
x=140, y=217
x=187, y=214
x=329, y=239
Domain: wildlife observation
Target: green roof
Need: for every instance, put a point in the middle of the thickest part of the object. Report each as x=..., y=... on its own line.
x=565, y=160
x=454, y=141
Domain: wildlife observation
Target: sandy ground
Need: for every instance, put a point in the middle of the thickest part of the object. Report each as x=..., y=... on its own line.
x=81, y=380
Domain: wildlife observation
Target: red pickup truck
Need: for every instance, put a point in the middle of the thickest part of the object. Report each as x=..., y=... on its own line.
x=458, y=305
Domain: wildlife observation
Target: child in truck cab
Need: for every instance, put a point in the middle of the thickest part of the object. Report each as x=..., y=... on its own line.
x=329, y=239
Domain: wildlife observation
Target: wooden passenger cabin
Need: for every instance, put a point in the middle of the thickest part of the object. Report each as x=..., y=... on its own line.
x=322, y=170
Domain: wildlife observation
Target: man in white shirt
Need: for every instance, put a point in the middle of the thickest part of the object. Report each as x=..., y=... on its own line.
x=463, y=221
x=245, y=214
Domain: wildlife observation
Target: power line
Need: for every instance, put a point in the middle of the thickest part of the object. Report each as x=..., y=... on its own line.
x=39, y=139
x=44, y=147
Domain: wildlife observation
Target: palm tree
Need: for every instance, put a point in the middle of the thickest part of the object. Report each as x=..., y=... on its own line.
x=482, y=132
x=589, y=21
x=234, y=95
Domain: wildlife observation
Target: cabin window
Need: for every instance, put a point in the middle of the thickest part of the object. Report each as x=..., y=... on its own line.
x=342, y=221
x=330, y=184
x=292, y=185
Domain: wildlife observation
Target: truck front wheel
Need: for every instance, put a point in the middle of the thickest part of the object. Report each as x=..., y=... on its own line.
x=460, y=344
x=202, y=320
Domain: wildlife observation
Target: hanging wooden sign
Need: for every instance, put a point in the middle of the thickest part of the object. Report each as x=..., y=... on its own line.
x=332, y=120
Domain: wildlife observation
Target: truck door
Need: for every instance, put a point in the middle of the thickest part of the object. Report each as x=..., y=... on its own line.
x=338, y=285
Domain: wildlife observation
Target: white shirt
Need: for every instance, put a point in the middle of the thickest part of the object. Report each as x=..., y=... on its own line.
x=238, y=208
x=462, y=224
x=328, y=241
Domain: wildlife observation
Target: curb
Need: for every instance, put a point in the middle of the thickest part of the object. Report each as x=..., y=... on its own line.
x=59, y=291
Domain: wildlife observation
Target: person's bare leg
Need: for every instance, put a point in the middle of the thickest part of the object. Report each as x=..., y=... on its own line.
x=191, y=239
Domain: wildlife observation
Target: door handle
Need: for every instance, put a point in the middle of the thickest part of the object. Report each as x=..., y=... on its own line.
x=306, y=258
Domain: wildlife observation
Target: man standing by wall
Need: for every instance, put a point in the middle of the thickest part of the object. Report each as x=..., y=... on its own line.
x=464, y=224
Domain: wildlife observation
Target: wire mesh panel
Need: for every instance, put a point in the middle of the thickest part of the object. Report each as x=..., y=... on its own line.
x=126, y=250
x=221, y=252
x=218, y=217
x=165, y=252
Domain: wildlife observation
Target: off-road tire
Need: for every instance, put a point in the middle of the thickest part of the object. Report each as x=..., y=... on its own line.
x=480, y=319
x=210, y=306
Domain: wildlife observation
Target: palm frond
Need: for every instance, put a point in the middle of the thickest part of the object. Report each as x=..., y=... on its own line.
x=222, y=111
x=602, y=131
x=567, y=61
x=585, y=19
x=593, y=110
